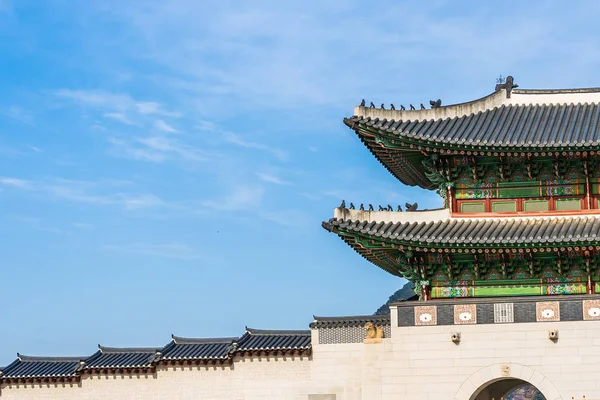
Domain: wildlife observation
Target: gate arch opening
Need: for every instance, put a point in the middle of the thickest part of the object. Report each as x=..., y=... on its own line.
x=508, y=389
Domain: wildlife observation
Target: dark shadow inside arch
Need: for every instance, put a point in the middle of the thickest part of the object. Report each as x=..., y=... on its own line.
x=508, y=389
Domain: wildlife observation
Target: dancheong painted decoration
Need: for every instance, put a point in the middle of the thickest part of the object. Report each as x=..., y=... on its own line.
x=518, y=172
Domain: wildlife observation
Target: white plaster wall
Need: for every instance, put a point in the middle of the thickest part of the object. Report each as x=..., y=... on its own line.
x=415, y=363
x=392, y=216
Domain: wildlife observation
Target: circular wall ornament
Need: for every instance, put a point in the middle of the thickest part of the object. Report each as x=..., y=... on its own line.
x=594, y=312
x=547, y=313
x=425, y=317
x=465, y=316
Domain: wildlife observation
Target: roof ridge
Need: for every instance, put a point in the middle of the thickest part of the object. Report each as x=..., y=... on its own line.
x=105, y=349
x=187, y=340
x=266, y=332
x=552, y=91
x=351, y=317
x=24, y=358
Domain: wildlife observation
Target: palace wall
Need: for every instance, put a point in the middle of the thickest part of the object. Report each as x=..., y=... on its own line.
x=416, y=362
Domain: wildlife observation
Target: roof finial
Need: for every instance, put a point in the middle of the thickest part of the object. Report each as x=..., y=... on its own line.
x=412, y=207
x=507, y=84
x=435, y=104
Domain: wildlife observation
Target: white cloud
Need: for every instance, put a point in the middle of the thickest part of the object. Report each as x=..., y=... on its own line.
x=175, y=146
x=164, y=127
x=282, y=55
x=19, y=114
x=15, y=182
x=205, y=125
x=151, y=107
x=241, y=198
x=92, y=192
x=169, y=250
x=123, y=148
x=272, y=179
x=310, y=196
x=37, y=224
x=119, y=117
x=118, y=104
x=289, y=218
x=84, y=226
x=156, y=149
x=34, y=148
x=238, y=141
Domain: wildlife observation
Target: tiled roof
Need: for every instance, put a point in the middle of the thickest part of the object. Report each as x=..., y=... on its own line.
x=42, y=367
x=179, y=349
x=478, y=232
x=531, y=121
x=113, y=357
x=359, y=320
x=255, y=339
x=506, y=126
x=197, y=349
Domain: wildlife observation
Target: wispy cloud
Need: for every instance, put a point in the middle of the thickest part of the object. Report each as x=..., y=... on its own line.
x=93, y=192
x=18, y=113
x=84, y=226
x=15, y=182
x=156, y=149
x=289, y=218
x=119, y=117
x=37, y=224
x=153, y=108
x=169, y=250
x=232, y=138
x=80, y=195
x=241, y=198
x=161, y=125
x=118, y=105
x=34, y=148
x=271, y=179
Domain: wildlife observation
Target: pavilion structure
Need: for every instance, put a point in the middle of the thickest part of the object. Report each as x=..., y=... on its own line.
x=518, y=173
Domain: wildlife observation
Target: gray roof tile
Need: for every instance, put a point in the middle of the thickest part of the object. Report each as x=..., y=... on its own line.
x=256, y=339
x=518, y=125
x=197, y=349
x=358, y=320
x=481, y=231
x=114, y=357
x=42, y=367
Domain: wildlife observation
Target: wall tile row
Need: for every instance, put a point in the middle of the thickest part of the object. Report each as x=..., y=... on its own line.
x=495, y=313
x=347, y=334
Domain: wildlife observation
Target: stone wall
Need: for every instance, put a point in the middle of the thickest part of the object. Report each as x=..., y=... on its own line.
x=419, y=362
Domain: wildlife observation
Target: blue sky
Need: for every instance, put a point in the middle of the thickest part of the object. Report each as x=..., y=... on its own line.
x=165, y=166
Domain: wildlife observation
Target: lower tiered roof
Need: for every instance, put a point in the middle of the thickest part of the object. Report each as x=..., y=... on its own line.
x=417, y=245
x=476, y=232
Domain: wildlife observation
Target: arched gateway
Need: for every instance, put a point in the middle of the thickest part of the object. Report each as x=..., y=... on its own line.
x=508, y=382
x=508, y=389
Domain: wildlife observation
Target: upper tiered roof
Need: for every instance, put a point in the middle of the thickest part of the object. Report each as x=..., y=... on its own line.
x=506, y=121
